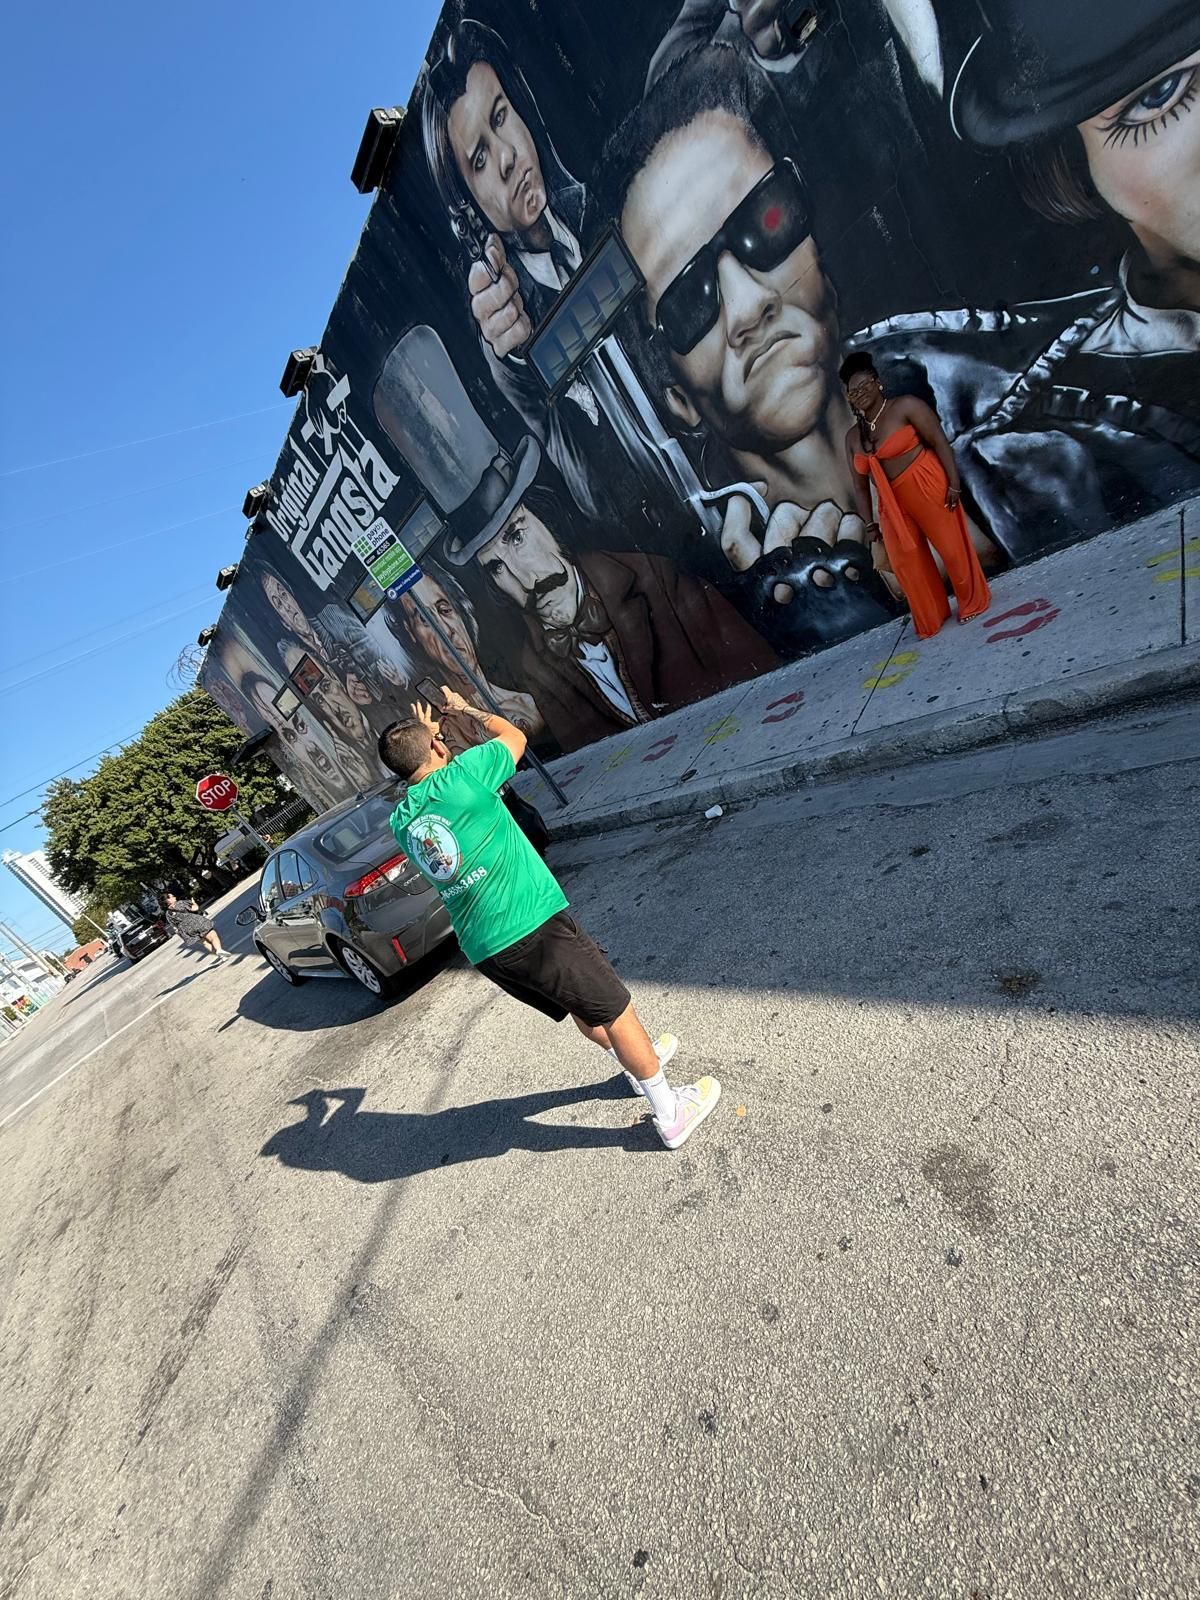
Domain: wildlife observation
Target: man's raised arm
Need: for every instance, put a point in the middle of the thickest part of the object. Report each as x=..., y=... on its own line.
x=496, y=727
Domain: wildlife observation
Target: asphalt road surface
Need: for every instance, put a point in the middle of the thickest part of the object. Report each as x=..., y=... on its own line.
x=307, y=1297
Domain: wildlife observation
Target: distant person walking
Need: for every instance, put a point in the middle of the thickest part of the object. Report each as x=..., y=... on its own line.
x=508, y=910
x=187, y=920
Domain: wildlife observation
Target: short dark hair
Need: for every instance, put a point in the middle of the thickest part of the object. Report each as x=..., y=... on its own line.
x=547, y=507
x=404, y=746
x=858, y=361
x=712, y=77
x=1054, y=178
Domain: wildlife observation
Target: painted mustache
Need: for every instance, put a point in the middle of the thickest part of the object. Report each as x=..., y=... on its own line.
x=543, y=587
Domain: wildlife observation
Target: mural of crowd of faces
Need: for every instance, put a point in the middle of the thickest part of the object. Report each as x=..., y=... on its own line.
x=584, y=362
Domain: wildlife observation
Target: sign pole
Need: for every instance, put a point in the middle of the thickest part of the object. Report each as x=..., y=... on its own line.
x=248, y=827
x=535, y=761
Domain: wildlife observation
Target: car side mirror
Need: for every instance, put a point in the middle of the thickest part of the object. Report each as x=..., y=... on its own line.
x=250, y=914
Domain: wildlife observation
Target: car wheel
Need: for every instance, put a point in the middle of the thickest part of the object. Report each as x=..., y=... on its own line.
x=365, y=972
x=281, y=966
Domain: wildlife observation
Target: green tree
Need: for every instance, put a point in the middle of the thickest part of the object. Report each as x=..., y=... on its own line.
x=93, y=923
x=136, y=821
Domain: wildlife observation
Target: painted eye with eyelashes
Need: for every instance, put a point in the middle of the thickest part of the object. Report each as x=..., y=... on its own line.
x=1152, y=108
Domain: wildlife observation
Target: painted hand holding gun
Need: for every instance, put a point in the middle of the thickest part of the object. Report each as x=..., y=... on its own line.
x=496, y=302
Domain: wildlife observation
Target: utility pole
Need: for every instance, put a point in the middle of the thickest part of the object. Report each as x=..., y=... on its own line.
x=8, y=970
x=29, y=953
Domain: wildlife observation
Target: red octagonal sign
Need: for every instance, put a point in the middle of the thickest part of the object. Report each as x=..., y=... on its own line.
x=216, y=792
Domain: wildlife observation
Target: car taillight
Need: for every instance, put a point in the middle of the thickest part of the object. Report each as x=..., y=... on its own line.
x=387, y=873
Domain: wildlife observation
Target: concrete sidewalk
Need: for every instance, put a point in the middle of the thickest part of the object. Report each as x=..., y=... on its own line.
x=1102, y=624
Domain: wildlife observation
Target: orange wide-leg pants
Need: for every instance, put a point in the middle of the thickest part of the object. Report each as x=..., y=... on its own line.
x=918, y=514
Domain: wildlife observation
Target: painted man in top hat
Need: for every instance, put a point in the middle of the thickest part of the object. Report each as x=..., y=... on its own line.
x=612, y=639
x=1071, y=416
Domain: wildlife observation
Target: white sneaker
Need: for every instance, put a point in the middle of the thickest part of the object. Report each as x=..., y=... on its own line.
x=693, y=1102
x=665, y=1047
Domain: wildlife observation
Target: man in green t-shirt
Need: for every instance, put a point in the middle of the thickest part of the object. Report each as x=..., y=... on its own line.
x=507, y=908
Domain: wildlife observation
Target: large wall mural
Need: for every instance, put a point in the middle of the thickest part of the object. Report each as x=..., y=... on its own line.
x=585, y=359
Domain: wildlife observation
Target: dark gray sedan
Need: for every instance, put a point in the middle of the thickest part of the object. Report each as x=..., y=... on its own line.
x=339, y=899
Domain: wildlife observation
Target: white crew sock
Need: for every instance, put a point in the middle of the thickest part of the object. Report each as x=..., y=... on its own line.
x=661, y=1097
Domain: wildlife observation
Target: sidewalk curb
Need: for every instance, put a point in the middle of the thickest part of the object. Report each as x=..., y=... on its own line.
x=1010, y=716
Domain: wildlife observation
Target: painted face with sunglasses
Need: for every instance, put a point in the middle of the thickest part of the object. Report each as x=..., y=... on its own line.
x=734, y=285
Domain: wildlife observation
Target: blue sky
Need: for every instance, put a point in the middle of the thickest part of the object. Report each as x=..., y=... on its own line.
x=179, y=214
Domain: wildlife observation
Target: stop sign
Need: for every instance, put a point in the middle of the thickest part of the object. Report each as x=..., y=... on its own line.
x=216, y=792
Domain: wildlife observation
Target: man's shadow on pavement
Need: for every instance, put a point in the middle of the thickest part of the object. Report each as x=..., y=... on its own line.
x=377, y=1146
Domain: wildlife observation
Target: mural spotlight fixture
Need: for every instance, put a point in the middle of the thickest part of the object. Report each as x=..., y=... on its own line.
x=377, y=148
x=251, y=746
x=256, y=500
x=295, y=374
x=226, y=576
x=206, y=636
x=798, y=20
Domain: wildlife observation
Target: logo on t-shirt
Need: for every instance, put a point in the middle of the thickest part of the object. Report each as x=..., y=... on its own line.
x=433, y=848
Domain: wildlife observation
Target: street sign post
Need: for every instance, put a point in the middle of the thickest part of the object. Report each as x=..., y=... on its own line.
x=217, y=792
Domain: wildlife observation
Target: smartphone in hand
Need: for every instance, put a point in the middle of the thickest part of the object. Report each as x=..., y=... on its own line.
x=432, y=694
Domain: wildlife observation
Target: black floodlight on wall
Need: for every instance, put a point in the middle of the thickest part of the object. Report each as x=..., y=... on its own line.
x=295, y=374
x=206, y=636
x=797, y=20
x=256, y=500
x=377, y=148
x=226, y=576
x=251, y=746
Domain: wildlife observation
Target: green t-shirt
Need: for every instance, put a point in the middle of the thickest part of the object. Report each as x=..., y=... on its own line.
x=459, y=835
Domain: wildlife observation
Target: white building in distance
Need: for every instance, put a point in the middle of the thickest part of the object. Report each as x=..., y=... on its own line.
x=33, y=870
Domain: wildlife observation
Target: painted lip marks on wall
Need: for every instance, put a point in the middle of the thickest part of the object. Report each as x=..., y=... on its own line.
x=1000, y=201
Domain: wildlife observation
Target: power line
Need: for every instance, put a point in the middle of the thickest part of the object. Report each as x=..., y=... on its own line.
x=109, y=644
x=130, y=494
x=121, y=544
x=42, y=782
x=129, y=444
x=104, y=627
x=34, y=813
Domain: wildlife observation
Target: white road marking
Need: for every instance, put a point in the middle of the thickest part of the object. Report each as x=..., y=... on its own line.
x=66, y=1072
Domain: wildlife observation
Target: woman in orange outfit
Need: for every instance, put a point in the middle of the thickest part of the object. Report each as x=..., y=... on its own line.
x=898, y=445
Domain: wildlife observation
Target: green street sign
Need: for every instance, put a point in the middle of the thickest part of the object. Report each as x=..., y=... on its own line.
x=384, y=557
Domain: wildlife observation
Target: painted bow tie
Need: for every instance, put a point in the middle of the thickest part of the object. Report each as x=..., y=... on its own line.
x=590, y=626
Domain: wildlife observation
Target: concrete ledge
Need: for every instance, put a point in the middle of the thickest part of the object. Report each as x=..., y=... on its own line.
x=1016, y=714
x=1107, y=688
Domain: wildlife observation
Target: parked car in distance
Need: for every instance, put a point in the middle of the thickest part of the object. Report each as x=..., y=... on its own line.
x=340, y=899
x=140, y=938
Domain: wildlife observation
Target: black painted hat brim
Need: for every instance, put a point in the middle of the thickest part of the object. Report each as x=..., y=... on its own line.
x=528, y=459
x=992, y=106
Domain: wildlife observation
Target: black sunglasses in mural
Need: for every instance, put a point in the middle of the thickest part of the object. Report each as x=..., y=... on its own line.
x=761, y=231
